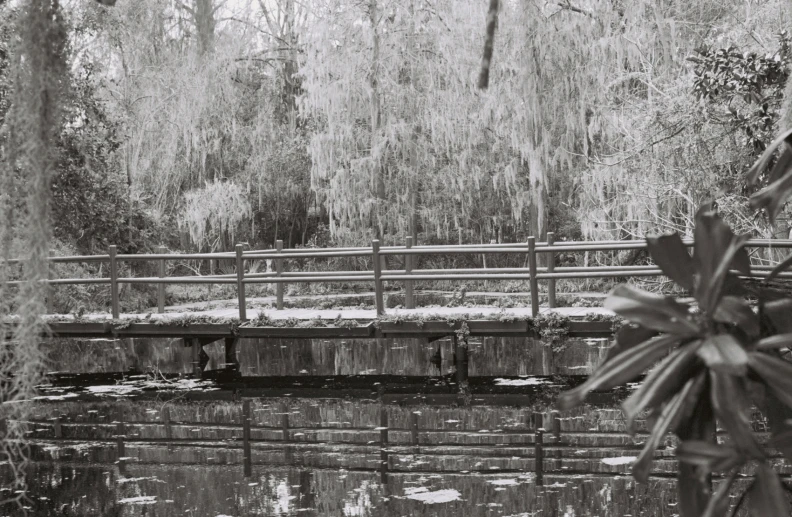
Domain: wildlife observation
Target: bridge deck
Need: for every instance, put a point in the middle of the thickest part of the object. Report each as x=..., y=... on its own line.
x=351, y=313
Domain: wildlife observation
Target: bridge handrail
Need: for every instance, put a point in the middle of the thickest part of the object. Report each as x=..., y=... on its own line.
x=533, y=273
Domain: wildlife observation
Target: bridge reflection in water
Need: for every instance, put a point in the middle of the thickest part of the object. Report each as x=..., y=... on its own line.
x=317, y=456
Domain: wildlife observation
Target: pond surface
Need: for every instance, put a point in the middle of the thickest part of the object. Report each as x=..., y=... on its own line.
x=325, y=457
x=159, y=445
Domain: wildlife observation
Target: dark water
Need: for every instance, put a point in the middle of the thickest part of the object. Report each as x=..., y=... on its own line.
x=188, y=459
x=326, y=456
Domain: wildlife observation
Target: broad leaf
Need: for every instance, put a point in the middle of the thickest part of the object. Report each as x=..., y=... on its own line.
x=693, y=491
x=623, y=368
x=779, y=268
x=773, y=197
x=719, y=503
x=668, y=419
x=697, y=422
x=663, y=382
x=711, y=457
x=775, y=342
x=775, y=373
x=767, y=497
x=627, y=337
x=731, y=405
x=761, y=164
x=671, y=255
x=782, y=164
x=778, y=312
x=722, y=352
x=716, y=251
x=735, y=310
x=651, y=311
x=782, y=440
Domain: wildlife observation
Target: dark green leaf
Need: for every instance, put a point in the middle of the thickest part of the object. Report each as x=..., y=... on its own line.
x=627, y=337
x=671, y=255
x=730, y=402
x=782, y=164
x=623, y=368
x=775, y=373
x=663, y=381
x=716, y=251
x=668, y=419
x=782, y=440
x=736, y=311
x=722, y=352
x=761, y=164
x=651, y=310
x=767, y=497
x=719, y=503
x=775, y=342
x=693, y=491
x=778, y=312
x=773, y=197
x=710, y=456
x=779, y=268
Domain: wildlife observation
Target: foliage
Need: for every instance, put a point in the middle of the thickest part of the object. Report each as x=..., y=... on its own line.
x=212, y=214
x=709, y=358
x=746, y=86
x=37, y=62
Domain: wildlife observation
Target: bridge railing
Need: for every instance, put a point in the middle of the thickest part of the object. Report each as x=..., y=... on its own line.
x=379, y=274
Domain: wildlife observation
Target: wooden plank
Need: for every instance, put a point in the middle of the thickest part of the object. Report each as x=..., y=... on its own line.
x=307, y=332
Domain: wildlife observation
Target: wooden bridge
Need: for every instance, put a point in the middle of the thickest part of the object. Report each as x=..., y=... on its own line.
x=377, y=276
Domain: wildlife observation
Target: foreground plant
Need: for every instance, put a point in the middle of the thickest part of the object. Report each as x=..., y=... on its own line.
x=711, y=360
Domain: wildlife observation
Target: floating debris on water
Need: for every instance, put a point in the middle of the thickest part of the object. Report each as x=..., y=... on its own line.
x=620, y=460
x=439, y=496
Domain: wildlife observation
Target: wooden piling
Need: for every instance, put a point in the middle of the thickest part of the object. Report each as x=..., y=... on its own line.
x=231, y=360
x=166, y=421
x=195, y=344
x=121, y=449
x=284, y=411
x=57, y=426
x=461, y=360
x=414, y=428
x=539, y=456
x=246, y=453
x=279, y=272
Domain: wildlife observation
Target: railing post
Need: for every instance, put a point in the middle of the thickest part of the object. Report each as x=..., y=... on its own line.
x=279, y=272
x=378, y=296
x=551, y=283
x=114, y=304
x=533, y=280
x=409, y=301
x=240, y=269
x=161, y=287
